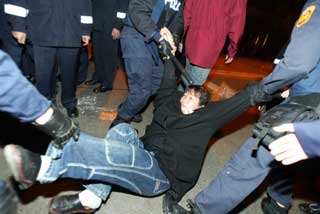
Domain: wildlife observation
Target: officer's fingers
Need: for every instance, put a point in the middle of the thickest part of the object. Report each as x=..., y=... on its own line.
x=287, y=127
x=285, y=155
x=280, y=142
x=293, y=160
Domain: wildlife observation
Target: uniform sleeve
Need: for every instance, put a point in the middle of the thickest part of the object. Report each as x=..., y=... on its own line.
x=140, y=14
x=86, y=19
x=17, y=11
x=17, y=95
x=308, y=134
x=176, y=25
x=237, y=22
x=301, y=56
x=121, y=13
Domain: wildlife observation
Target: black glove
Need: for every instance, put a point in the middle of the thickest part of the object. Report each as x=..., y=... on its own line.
x=257, y=95
x=165, y=49
x=61, y=128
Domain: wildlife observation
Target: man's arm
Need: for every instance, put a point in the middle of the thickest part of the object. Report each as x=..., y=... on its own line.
x=168, y=84
x=121, y=9
x=86, y=20
x=301, y=56
x=17, y=11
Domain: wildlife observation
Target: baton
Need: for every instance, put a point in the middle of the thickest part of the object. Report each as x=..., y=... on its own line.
x=168, y=55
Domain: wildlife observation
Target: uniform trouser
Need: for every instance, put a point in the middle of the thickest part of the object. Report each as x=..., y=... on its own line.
x=27, y=63
x=143, y=72
x=83, y=66
x=240, y=176
x=105, y=57
x=118, y=159
x=68, y=61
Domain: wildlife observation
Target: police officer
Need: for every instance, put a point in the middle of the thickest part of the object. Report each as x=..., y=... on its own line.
x=19, y=98
x=57, y=29
x=144, y=27
x=107, y=23
x=243, y=173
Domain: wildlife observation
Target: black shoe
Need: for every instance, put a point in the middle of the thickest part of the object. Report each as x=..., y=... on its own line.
x=308, y=208
x=90, y=82
x=73, y=112
x=194, y=209
x=117, y=121
x=101, y=89
x=68, y=204
x=270, y=206
x=170, y=204
x=137, y=118
x=24, y=164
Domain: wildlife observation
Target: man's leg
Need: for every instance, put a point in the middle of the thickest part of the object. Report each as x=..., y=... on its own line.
x=239, y=177
x=279, y=192
x=107, y=161
x=94, y=193
x=68, y=59
x=44, y=58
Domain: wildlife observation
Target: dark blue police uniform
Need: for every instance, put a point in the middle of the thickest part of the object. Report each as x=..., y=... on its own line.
x=243, y=173
x=106, y=16
x=144, y=68
x=55, y=29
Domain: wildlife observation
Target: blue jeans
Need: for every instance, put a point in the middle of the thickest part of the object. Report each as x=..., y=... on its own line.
x=240, y=176
x=198, y=74
x=117, y=159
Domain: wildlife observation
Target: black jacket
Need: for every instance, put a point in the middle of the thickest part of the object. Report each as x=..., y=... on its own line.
x=51, y=23
x=140, y=12
x=108, y=14
x=179, y=141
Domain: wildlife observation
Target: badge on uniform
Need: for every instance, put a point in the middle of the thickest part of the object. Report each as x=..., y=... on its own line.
x=305, y=16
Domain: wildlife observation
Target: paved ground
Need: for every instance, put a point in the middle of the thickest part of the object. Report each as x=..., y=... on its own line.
x=97, y=111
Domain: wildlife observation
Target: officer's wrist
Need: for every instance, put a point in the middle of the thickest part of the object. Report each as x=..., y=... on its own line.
x=43, y=119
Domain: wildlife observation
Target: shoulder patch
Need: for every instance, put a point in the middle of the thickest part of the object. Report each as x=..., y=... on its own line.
x=305, y=16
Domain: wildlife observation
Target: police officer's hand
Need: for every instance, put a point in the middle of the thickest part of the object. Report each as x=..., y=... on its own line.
x=115, y=33
x=167, y=35
x=85, y=40
x=20, y=37
x=60, y=127
x=257, y=94
x=287, y=149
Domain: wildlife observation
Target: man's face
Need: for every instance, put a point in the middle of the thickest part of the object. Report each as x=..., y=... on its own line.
x=189, y=102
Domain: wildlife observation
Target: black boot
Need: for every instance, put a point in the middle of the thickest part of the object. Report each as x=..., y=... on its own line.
x=170, y=204
x=68, y=204
x=194, y=209
x=270, y=206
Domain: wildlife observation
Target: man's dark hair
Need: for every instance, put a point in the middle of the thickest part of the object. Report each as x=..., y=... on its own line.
x=201, y=92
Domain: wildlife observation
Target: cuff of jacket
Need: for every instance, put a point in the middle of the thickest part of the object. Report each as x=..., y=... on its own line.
x=155, y=35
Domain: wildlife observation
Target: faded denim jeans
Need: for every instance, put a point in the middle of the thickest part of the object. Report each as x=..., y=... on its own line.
x=118, y=159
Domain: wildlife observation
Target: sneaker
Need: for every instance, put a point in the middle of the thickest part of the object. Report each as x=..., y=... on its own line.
x=309, y=208
x=270, y=206
x=24, y=164
x=194, y=209
x=68, y=204
x=170, y=204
